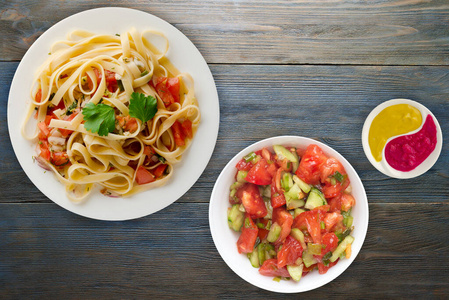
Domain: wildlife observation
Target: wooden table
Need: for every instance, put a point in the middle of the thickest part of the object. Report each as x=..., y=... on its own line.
x=309, y=68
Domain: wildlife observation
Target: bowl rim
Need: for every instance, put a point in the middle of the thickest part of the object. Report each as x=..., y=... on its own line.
x=217, y=224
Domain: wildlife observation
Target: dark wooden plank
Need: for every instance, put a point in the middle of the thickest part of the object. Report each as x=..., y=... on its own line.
x=308, y=32
x=328, y=103
x=49, y=252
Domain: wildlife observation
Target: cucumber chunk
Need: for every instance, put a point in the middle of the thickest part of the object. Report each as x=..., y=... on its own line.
x=295, y=272
x=308, y=259
x=274, y=233
x=235, y=217
x=282, y=153
x=294, y=192
x=241, y=175
x=305, y=187
x=315, y=199
x=341, y=248
x=254, y=258
x=299, y=236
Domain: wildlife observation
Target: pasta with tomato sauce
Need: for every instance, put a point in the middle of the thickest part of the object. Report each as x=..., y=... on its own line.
x=112, y=111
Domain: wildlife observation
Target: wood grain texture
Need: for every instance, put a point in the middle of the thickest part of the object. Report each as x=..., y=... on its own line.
x=401, y=32
x=328, y=103
x=171, y=254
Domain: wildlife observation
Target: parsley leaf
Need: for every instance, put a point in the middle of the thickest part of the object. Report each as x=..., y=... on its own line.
x=99, y=118
x=142, y=107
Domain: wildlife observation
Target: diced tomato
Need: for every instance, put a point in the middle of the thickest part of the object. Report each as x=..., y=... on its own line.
x=252, y=200
x=111, y=81
x=178, y=134
x=38, y=97
x=309, y=166
x=322, y=269
x=259, y=174
x=44, y=131
x=128, y=123
x=148, y=151
x=186, y=127
x=331, y=219
x=165, y=94
x=262, y=231
x=277, y=200
x=285, y=164
x=143, y=176
x=285, y=219
x=330, y=241
x=159, y=171
x=267, y=155
x=244, y=165
x=347, y=201
x=59, y=158
x=248, y=237
x=66, y=132
x=291, y=250
x=329, y=168
x=310, y=221
x=270, y=268
x=44, y=150
x=272, y=169
x=173, y=87
x=330, y=191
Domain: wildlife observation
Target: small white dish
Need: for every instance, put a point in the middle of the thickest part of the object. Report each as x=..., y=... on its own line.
x=382, y=165
x=225, y=239
x=182, y=53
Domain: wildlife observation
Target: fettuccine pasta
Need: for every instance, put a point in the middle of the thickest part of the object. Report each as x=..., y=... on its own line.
x=111, y=110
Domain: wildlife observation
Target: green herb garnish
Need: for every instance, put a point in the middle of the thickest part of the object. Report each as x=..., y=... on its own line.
x=142, y=107
x=99, y=118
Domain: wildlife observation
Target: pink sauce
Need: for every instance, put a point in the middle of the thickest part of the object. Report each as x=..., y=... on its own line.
x=406, y=152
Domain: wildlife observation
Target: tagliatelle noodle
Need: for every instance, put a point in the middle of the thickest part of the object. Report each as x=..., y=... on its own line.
x=69, y=76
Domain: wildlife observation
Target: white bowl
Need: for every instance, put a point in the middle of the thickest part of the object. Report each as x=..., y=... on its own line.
x=225, y=239
x=382, y=165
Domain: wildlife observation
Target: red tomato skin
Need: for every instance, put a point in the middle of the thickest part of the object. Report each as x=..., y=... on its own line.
x=285, y=219
x=322, y=269
x=252, y=201
x=310, y=221
x=291, y=250
x=309, y=166
x=59, y=158
x=186, y=127
x=38, y=96
x=143, y=176
x=330, y=241
x=243, y=165
x=44, y=131
x=259, y=174
x=270, y=268
x=44, y=150
x=248, y=237
x=173, y=88
x=159, y=171
x=262, y=231
x=178, y=134
x=347, y=201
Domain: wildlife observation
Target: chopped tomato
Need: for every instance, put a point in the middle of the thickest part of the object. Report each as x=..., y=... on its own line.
x=309, y=220
x=164, y=92
x=128, y=123
x=111, y=81
x=270, y=268
x=59, y=158
x=143, y=176
x=178, y=134
x=173, y=87
x=186, y=127
x=244, y=165
x=44, y=150
x=285, y=164
x=148, y=151
x=285, y=219
x=291, y=250
x=322, y=269
x=159, y=171
x=248, y=237
x=44, y=131
x=252, y=201
x=332, y=218
x=329, y=168
x=38, y=97
x=331, y=191
x=259, y=174
x=262, y=231
x=277, y=197
x=330, y=243
x=266, y=154
x=347, y=201
x=66, y=132
x=309, y=166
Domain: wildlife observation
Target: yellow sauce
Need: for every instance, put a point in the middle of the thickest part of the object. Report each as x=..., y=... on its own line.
x=393, y=120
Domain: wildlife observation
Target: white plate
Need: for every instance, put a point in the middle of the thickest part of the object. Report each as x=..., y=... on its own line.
x=382, y=165
x=182, y=53
x=225, y=239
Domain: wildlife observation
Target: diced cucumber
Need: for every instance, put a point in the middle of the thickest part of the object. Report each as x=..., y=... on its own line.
x=282, y=153
x=314, y=249
x=315, y=199
x=254, y=258
x=294, y=203
x=286, y=181
x=235, y=217
x=274, y=233
x=294, y=192
x=267, y=191
x=299, y=236
x=298, y=211
x=305, y=187
x=308, y=259
x=341, y=248
x=261, y=252
x=241, y=175
x=236, y=185
x=295, y=271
